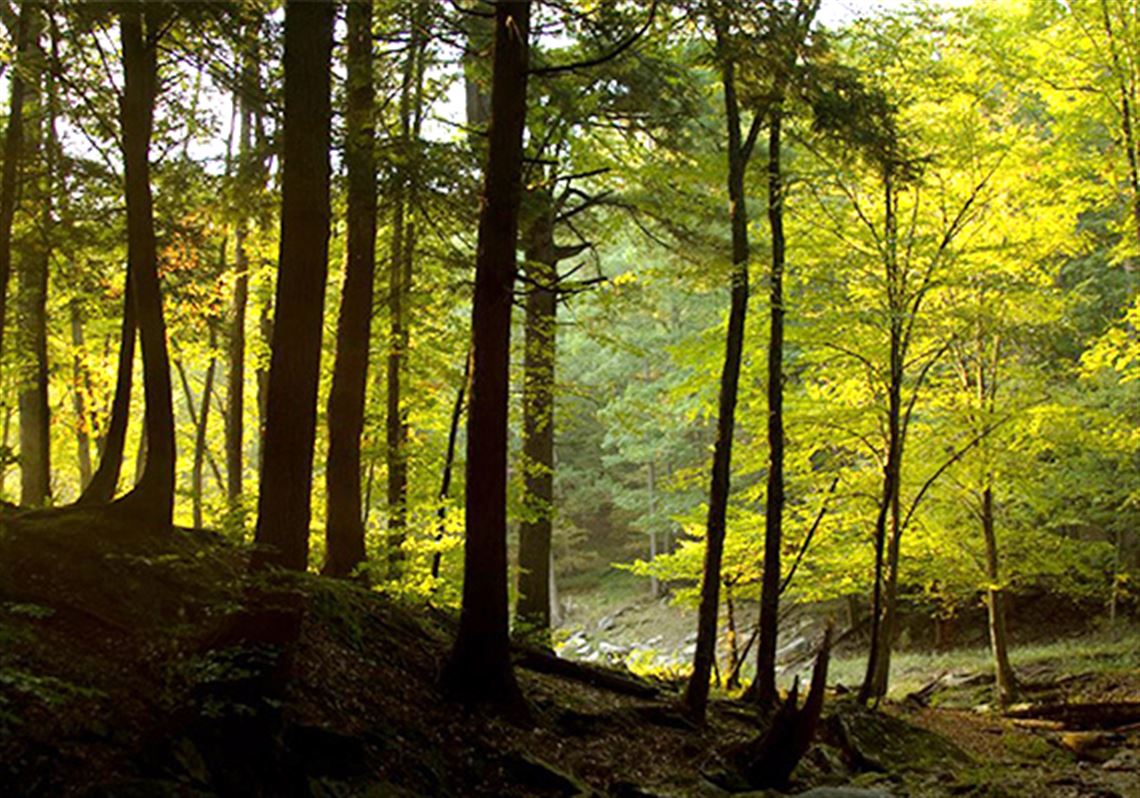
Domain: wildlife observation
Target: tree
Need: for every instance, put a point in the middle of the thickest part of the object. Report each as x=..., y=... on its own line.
x=740, y=147
x=345, y=527
x=153, y=497
x=479, y=667
x=13, y=148
x=286, y=476
x=32, y=293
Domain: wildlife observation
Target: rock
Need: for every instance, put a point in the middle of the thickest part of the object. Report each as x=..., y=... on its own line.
x=611, y=649
x=606, y=623
x=542, y=776
x=1126, y=760
x=873, y=740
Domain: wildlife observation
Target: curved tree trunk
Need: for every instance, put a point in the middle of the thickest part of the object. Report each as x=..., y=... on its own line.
x=344, y=525
x=153, y=498
x=479, y=667
x=283, y=510
x=101, y=488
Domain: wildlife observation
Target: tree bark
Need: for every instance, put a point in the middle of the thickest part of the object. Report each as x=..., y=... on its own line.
x=765, y=688
x=13, y=148
x=532, y=609
x=200, y=433
x=696, y=694
x=34, y=411
x=344, y=523
x=101, y=488
x=282, y=532
x=153, y=497
x=80, y=391
x=1005, y=680
x=479, y=667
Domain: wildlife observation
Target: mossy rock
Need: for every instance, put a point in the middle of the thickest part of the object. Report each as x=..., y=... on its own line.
x=875, y=741
x=112, y=568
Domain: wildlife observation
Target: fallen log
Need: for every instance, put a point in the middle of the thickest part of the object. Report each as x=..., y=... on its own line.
x=539, y=661
x=1086, y=716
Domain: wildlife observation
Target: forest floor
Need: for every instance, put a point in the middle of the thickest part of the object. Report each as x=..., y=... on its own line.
x=135, y=663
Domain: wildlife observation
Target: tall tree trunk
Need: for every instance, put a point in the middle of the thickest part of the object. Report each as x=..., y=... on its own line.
x=153, y=498
x=1005, y=680
x=34, y=411
x=535, y=529
x=13, y=148
x=399, y=292
x=882, y=614
x=765, y=684
x=479, y=667
x=235, y=340
x=697, y=692
x=294, y=368
x=101, y=488
x=80, y=391
x=345, y=526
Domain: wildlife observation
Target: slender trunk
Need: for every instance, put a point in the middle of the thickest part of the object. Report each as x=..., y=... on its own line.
x=235, y=340
x=153, y=498
x=765, y=688
x=34, y=411
x=449, y=461
x=533, y=606
x=696, y=694
x=202, y=428
x=876, y=677
x=651, y=490
x=479, y=667
x=399, y=292
x=294, y=369
x=1127, y=110
x=101, y=488
x=1004, y=679
x=731, y=639
x=344, y=524
x=80, y=391
x=13, y=147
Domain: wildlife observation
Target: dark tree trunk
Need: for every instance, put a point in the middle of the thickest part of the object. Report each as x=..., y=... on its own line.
x=449, y=461
x=101, y=488
x=34, y=412
x=345, y=526
x=81, y=391
x=200, y=439
x=882, y=616
x=479, y=667
x=696, y=694
x=294, y=368
x=1005, y=680
x=533, y=606
x=153, y=498
x=13, y=146
x=765, y=685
